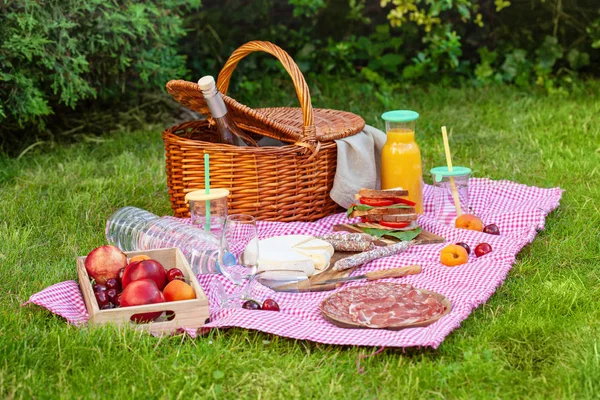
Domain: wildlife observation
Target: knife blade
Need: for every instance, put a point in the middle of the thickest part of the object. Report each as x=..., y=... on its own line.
x=374, y=275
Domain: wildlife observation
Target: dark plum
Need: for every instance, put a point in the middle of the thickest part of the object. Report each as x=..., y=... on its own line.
x=491, y=229
x=251, y=305
x=465, y=246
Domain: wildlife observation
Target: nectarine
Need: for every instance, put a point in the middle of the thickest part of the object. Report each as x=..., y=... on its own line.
x=469, y=221
x=453, y=255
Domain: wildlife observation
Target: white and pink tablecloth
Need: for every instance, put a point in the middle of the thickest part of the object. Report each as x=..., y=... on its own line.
x=518, y=210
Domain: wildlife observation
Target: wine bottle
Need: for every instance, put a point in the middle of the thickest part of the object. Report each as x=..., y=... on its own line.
x=228, y=132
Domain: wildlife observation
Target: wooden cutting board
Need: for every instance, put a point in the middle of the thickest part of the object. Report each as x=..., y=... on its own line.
x=423, y=238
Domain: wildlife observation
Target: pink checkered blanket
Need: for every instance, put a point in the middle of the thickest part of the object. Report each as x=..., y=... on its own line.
x=518, y=210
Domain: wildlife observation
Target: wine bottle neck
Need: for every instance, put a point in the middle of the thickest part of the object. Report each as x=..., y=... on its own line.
x=215, y=102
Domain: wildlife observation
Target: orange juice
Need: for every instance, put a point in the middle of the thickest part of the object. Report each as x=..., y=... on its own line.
x=401, y=157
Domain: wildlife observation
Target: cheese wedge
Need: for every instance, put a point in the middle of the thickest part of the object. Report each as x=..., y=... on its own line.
x=301, y=252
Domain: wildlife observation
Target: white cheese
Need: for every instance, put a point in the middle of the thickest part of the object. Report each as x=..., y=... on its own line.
x=300, y=252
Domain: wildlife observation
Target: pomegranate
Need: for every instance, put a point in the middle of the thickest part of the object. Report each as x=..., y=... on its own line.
x=146, y=269
x=104, y=263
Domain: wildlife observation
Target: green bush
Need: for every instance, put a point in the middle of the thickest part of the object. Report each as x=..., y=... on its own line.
x=398, y=42
x=60, y=53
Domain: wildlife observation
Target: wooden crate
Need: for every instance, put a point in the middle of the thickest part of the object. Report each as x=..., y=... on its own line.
x=188, y=313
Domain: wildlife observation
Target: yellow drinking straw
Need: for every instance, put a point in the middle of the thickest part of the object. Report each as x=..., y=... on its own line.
x=452, y=183
x=207, y=190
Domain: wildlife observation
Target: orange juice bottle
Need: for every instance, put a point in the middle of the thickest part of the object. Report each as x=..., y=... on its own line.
x=401, y=156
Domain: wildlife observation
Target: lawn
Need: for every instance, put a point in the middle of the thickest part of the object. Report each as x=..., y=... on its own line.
x=537, y=337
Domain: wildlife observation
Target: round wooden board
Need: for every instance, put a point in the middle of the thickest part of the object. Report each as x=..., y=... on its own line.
x=347, y=323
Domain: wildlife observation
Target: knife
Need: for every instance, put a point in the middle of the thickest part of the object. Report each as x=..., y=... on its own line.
x=371, y=276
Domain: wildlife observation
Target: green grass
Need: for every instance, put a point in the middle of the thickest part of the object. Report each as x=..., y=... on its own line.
x=537, y=337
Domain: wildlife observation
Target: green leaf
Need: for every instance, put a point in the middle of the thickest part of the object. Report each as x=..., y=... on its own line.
x=577, y=59
x=218, y=375
x=549, y=52
x=364, y=207
x=404, y=236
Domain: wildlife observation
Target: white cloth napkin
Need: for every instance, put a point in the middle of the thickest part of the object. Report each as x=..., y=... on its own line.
x=358, y=164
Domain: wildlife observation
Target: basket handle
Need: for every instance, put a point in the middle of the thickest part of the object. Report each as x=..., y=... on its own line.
x=309, y=131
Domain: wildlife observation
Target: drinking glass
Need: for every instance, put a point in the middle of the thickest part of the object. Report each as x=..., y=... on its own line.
x=238, y=253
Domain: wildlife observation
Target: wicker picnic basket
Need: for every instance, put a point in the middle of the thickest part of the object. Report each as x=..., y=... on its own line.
x=284, y=183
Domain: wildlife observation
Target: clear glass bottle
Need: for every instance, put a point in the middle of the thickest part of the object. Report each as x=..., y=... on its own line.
x=228, y=132
x=131, y=228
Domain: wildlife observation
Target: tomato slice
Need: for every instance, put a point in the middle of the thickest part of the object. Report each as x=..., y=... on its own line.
x=398, y=200
x=376, y=202
x=363, y=219
x=394, y=224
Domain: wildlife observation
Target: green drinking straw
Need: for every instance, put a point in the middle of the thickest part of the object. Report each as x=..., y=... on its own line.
x=207, y=190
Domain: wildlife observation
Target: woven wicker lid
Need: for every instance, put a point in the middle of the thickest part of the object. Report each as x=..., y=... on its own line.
x=290, y=125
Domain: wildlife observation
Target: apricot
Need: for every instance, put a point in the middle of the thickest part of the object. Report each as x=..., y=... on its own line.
x=469, y=221
x=178, y=290
x=453, y=255
x=140, y=257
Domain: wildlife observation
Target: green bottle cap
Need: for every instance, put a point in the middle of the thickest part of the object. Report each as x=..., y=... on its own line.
x=441, y=172
x=400, y=116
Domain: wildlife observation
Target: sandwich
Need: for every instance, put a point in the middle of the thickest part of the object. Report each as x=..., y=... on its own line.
x=385, y=213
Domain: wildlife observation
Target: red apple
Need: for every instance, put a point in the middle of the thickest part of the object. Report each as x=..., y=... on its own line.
x=146, y=269
x=104, y=263
x=140, y=292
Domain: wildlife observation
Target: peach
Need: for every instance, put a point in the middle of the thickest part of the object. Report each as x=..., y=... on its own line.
x=453, y=255
x=469, y=221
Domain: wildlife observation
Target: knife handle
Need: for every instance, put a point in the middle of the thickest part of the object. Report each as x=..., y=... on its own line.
x=394, y=272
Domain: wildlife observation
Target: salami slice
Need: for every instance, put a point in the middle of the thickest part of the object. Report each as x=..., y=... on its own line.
x=384, y=305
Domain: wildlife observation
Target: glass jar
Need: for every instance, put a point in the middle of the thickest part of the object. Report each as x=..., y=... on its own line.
x=401, y=157
x=208, y=210
x=449, y=189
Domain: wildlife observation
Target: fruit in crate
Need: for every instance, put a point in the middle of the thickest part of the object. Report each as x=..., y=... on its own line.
x=114, y=283
x=492, y=229
x=470, y=222
x=178, y=290
x=482, y=249
x=453, y=255
x=101, y=298
x=174, y=273
x=104, y=263
x=140, y=257
x=145, y=269
x=140, y=292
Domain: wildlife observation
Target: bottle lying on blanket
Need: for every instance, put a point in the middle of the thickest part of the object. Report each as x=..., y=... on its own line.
x=131, y=228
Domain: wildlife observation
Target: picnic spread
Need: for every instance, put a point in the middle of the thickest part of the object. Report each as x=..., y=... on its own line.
x=260, y=239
